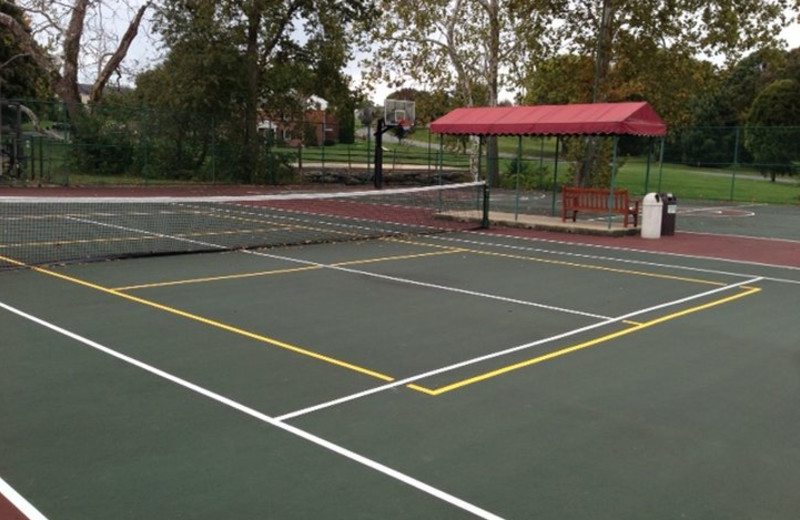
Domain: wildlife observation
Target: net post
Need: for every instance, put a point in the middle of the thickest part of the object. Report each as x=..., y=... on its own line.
x=485, y=209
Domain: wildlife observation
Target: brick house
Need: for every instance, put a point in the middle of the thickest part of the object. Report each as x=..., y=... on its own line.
x=317, y=127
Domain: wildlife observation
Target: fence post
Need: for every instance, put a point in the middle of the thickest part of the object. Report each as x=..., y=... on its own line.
x=735, y=162
x=213, y=149
x=661, y=162
x=300, y=157
x=67, y=139
x=272, y=170
x=479, y=172
x=519, y=174
x=441, y=158
x=613, y=181
x=369, y=149
x=555, y=179
x=647, y=170
x=429, y=148
x=41, y=158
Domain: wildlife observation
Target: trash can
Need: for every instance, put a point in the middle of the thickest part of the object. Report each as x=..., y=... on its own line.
x=669, y=212
x=652, y=210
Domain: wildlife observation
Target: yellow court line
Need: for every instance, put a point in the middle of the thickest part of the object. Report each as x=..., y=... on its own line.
x=746, y=291
x=130, y=238
x=394, y=257
x=277, y=271
x=217, y=324
x=429, y=391
x=603, y=268
x=216, y=278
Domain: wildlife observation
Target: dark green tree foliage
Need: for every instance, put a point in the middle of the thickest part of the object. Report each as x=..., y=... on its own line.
x=274, y=69
x=193, y=109
x=712, y=138
x=546, y=85
x=772, y=132
x=106, y=143
x=718, y=111
x=20, y=76
x=345, y=115
x=648, y=47
x=747, y=78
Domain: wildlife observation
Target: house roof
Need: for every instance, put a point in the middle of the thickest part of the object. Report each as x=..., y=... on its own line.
x=632, y=118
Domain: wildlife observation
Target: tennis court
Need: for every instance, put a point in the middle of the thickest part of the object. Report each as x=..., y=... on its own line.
x=466, y=374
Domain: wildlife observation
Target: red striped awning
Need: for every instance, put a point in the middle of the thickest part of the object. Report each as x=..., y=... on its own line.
x=630, y=118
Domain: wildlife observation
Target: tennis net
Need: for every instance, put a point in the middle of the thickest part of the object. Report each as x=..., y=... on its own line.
x=57, y=229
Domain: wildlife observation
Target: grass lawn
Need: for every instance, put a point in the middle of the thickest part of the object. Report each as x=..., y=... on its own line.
x=51, y=163
x=362, y=152
x=708, y=183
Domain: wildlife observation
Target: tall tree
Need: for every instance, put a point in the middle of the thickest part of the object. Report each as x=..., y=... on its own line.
x=743, y=80
x=194, y=99
x=474, y=48
x=285, y=46
x=662, y=40
x=65, y=26
x=610, y=29
x=772, y=134
x=456, y=45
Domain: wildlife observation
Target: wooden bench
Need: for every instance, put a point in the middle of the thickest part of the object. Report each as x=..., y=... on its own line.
x=596, y=200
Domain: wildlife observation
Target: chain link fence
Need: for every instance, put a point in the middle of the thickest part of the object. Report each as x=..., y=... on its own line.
x=107, y=144
x=45, y=143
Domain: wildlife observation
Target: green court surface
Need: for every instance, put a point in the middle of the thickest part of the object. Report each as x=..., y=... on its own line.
x=463, y=375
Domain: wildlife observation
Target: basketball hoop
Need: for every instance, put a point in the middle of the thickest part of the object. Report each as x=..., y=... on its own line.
x=405, y=124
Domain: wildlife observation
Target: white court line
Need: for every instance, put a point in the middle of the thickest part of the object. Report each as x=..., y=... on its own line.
x=18, y=501
x=500, y=353
x=359, y=272
x=621, y=250
x=689, y=210
x=749, y=237
x=277, y=423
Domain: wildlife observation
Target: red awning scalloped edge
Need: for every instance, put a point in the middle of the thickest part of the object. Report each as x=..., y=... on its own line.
x=630, y=118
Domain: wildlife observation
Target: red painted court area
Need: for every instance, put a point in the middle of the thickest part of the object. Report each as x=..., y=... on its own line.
x=8, y=511
x=771, y=251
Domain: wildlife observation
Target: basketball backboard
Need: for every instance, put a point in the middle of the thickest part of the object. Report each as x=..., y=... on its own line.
x=399, y=112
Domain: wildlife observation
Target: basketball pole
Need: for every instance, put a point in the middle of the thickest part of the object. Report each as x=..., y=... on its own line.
x=379, y=131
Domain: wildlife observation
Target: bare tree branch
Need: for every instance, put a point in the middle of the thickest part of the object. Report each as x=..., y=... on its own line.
x=67, y=85
x=279, y=30
x=12, y=59
x=115, y=60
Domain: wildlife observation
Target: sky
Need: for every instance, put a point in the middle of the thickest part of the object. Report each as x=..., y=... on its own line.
x=144, y=52
x=792, y=35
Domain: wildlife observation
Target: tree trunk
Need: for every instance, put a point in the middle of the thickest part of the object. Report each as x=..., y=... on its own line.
x=605, y=35
x=119, y=55
x=67, y=84
x=252, y=82
x=492, y=150
x=602, y=64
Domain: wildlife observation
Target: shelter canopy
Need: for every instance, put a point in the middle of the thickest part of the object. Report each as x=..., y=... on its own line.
x=630, y=118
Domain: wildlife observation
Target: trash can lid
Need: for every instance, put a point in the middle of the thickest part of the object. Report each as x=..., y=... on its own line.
x=652, y=198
